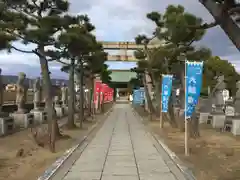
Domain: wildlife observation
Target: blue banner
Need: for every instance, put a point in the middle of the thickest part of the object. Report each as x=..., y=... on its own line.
x=166, y=91
x=138, y=96
x=193, y=83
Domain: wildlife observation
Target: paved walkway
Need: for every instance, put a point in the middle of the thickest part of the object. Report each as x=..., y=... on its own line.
x=121, y=150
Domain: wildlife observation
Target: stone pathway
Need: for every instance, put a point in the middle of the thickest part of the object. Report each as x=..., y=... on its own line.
x=121, y=150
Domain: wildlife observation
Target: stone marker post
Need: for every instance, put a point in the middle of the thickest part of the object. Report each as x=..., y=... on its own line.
x=64, y=92
x=37, y=94
x=21, y=95
x=1, y=91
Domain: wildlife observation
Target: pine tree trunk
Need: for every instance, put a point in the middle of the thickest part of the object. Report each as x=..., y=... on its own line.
x=221, y=15
x=71, y=103
x=89, y=86
x=181, y=120
x=53, y=129
x=194, y=130
x=149, y=101
x=158, y=96
x=172, y=120
x=92, y=95
x=81, y=110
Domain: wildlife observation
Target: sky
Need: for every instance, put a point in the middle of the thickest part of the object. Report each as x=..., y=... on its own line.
x=122, y=21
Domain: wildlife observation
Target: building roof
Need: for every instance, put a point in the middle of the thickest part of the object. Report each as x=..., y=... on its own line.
x=122, y=76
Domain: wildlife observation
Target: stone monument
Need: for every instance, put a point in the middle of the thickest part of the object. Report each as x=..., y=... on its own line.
x=21, y=94
x=22, y=119
x=237, y=100
x=40, y=116
x=57, y=105
x=218, y=116
x=1, y=95
x=6, y=122
x=218, y=94
x=236, y=120
x=205, y=108
x=64, y=91
x=37, y=94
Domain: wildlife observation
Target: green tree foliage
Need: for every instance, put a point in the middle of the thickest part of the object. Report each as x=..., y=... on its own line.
x=9, y=21
x=105, y=75
x=176, y=36
x=86, y=56
x=215, y=67
x=135, y=83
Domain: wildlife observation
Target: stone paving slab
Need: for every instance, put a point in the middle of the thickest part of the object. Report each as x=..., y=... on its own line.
x=121, y=150
x=158, y=176
x=120, y=178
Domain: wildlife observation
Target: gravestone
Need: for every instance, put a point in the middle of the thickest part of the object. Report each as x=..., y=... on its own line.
x=229, y=109
x=64, y=92
x=22, y=119
x=21, y=95
x=57, y=106
x=40, y=116
x=236, y=120
x=218, y=116
x=37, y=94
x=205, y=109
x=237, y=100
x=6, y=122
x=218, y=95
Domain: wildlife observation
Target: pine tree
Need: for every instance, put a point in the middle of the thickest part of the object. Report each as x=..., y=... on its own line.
x=38, y=23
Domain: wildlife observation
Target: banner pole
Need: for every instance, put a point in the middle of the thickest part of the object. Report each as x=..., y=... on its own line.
x=185, y=114
x=161, y=118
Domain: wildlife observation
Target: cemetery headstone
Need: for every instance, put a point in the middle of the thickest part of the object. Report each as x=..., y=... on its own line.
x=218, y=116
x=6, y=122
x=37, y=94
x=237, y=99
x=64, y=91
x=236, y=120
x=218, y=94
x=21, y=95
x=205, y=108
x=22, y=118
x=40, y=116
x=1, y=91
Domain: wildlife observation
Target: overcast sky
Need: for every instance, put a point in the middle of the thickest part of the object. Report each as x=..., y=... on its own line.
x=122, y=21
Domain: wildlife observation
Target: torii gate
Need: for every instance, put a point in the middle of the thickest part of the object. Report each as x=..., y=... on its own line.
x=124, y=47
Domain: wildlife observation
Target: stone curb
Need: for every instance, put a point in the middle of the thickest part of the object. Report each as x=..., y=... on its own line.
x=185, y=170
x=60, y=161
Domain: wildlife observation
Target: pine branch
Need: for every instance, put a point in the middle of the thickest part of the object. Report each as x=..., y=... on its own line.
x=205, y=25
x=58, y=60
x=20, y=50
